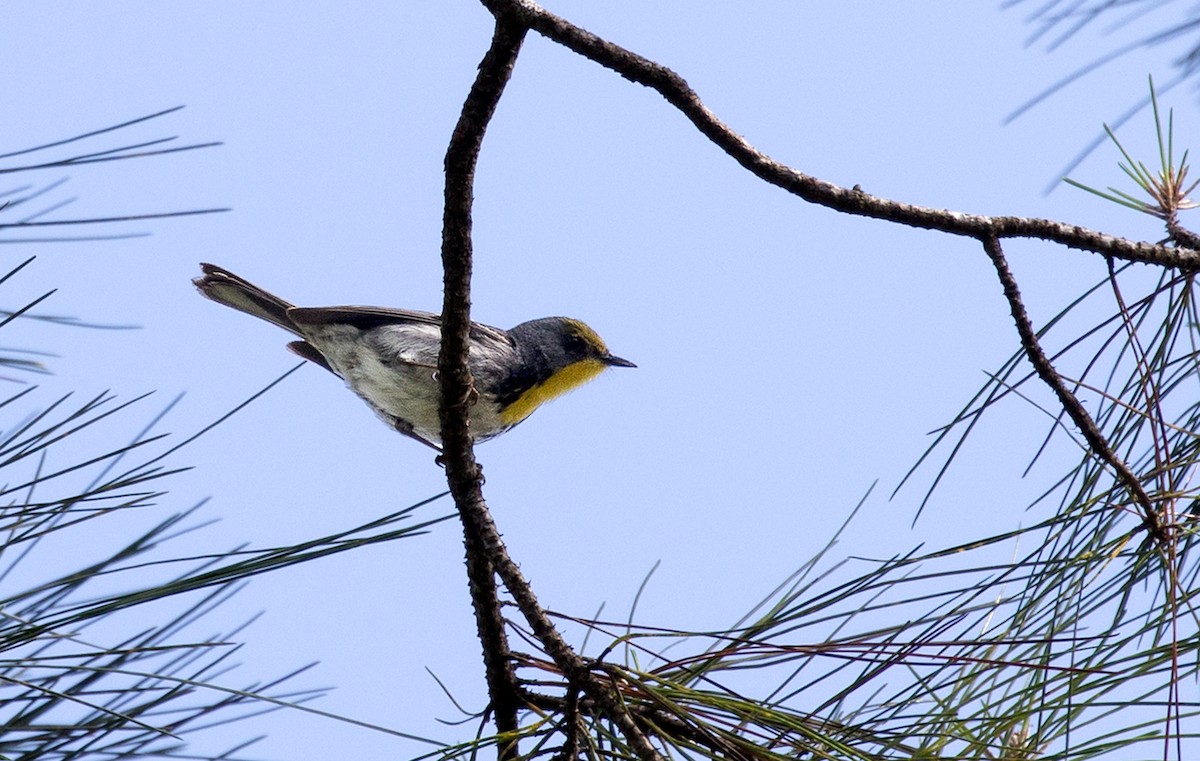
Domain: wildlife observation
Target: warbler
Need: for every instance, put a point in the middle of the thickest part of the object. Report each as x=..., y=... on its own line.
x=389, y=357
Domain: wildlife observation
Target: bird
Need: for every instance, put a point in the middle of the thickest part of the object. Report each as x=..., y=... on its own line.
x=388, y=357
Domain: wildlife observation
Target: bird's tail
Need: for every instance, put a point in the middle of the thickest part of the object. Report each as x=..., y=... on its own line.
x=224, y=287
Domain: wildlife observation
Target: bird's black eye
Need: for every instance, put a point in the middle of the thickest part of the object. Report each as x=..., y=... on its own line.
x=577, y=346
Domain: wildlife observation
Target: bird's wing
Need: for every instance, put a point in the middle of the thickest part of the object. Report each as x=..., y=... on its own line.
x=365, y=318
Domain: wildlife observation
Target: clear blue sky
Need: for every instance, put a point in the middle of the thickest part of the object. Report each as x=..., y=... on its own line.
x=788, y=356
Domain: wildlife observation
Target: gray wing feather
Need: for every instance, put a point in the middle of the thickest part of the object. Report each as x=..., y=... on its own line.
x=365, y=318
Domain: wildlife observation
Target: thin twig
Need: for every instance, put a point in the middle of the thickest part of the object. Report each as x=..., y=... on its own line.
x=1045, y=370
x=570, y=727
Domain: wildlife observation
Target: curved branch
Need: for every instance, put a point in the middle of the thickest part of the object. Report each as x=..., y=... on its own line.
x=462, y=472
x=675, y=89
x=486, y=552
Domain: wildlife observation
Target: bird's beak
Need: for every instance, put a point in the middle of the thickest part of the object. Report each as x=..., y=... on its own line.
x=612, y=361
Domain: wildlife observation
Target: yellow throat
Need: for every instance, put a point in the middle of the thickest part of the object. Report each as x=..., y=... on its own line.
x=570, y=377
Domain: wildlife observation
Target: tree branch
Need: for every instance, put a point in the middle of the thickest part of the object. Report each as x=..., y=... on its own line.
x=1045, y=370
x=850, y=201
x=486, y=551
x=456, y=385
x=463, y=473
